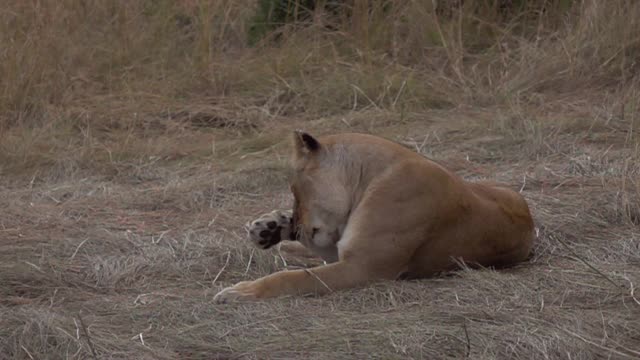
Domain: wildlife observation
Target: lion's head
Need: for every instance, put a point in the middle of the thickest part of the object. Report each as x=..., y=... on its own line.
x=319, y=185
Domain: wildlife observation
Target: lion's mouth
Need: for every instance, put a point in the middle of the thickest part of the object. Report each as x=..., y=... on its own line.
x=296, y=231
x=335, y=236
x=299, y=233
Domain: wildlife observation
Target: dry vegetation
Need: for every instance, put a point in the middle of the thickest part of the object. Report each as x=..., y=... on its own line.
x=137, y=137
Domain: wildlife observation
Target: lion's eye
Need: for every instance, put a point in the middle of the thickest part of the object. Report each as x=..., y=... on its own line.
x=313, y=232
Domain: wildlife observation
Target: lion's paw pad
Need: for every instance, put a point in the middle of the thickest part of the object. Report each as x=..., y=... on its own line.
x=269, y=229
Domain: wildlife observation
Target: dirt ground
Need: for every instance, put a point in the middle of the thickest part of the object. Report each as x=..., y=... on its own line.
x=124, y=263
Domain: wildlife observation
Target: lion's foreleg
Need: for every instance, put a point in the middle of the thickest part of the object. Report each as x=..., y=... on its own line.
x=319, y=280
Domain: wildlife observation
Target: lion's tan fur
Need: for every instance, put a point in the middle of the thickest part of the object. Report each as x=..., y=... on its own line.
x=375, y=210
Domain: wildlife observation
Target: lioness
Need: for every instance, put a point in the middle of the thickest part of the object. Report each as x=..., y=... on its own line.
x=375, y=210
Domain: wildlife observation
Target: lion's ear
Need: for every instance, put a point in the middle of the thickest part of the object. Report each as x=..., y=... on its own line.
x=304, y=143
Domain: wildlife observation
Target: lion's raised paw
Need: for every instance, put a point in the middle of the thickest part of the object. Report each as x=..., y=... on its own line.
x=271, y=228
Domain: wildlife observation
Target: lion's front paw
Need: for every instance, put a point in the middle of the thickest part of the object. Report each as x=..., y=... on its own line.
x=269, y=229
x=242, y=291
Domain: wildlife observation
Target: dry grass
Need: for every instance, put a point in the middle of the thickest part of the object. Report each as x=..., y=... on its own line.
x=138, y=137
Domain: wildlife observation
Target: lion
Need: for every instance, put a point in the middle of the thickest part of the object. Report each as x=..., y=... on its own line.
x=375, y=210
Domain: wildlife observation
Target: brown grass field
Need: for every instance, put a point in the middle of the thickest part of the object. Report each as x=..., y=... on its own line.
x=138, y=137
